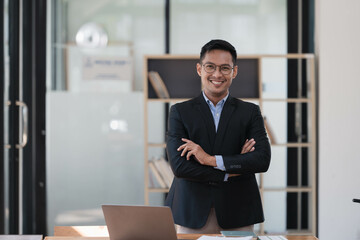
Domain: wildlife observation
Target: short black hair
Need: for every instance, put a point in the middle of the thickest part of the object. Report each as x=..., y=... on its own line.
x=218, y=44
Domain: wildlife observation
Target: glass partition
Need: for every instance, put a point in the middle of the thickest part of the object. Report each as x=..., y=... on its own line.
x=252, y=26
x=95, y=113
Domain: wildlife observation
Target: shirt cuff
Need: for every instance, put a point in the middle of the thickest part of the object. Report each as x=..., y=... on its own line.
x=220, y=166
x=219, y=163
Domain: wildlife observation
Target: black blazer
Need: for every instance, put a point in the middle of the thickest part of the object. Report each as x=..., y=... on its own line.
x=196, y=188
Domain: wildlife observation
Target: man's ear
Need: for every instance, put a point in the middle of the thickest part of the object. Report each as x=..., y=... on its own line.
x=198, y=69
x=235, y=71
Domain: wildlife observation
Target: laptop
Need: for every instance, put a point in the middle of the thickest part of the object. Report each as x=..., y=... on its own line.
x=126, y=222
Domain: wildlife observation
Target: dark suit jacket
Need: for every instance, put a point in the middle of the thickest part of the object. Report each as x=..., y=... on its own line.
x=196, y=188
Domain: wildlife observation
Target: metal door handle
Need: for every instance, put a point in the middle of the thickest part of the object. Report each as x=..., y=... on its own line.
x=23, y=110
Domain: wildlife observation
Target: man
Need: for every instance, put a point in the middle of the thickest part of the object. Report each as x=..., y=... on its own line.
x=216, y=144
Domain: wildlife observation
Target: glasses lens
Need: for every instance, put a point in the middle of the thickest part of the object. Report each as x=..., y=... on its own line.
x=225, y=69
x=210, y=68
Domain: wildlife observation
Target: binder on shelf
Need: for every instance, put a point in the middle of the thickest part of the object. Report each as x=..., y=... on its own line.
x=152, y=180
x=165, y=171
x=269, y=131
x=157, y=175
x=158, y=85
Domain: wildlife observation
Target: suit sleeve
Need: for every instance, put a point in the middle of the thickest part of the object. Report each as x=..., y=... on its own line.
x=258, y=160
x=182, y=168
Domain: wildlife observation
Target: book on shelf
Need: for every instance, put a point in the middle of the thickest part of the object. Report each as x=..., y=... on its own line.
x=269, y=131
x=165, y=171
x=152, y=181
x=158, y=85
x=157, y=175
x=168, y=171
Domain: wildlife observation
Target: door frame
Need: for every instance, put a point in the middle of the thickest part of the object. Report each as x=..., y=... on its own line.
x=27, y=79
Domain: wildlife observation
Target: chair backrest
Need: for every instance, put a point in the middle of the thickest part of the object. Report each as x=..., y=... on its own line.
x=81, y=231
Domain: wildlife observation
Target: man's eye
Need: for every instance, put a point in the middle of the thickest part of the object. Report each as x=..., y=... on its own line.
x=225, y=68
x=210, y=67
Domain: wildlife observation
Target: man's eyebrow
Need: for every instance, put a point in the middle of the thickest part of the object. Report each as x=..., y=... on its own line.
x=225, y=64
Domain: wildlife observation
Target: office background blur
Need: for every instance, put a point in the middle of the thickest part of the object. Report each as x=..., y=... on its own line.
x=86, y=147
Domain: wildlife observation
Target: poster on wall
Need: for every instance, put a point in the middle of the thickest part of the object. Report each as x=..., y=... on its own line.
x=99, y=70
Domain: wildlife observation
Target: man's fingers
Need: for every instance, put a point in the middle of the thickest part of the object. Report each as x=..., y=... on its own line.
x=189, y=148
x=181, y=147
x=188, y=155
x=247, y=143
x=243, y=149
x=185, y=147
x=184, y=151
x=248, y=146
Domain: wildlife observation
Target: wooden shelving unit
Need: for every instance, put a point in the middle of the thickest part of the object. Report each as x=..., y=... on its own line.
x=181, y=68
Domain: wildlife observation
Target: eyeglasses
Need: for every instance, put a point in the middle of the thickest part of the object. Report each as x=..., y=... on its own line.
x=211, y=68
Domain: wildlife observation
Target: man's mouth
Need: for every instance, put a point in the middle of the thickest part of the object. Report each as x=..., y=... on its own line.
x=216, y=82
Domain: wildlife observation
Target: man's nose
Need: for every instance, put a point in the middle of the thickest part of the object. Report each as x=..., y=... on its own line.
x=217, y=71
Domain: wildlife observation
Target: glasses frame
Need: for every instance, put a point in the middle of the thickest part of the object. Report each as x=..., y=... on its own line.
x=216, y=66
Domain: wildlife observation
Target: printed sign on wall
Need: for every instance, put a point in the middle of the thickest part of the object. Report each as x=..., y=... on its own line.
x=106, y=68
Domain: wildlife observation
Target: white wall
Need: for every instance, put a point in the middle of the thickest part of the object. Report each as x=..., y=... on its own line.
x=338, y=51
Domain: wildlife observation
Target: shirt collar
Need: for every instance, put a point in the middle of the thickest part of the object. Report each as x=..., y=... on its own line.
x=220, y=103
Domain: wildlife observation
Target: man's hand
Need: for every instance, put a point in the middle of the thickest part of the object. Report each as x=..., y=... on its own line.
x=192, y=149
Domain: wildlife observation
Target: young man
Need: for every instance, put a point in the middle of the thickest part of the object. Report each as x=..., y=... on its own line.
x=216, y=144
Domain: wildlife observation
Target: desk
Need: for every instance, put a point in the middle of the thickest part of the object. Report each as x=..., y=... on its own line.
x=21, y=237
x=182, y=236
x=196, y=236
x=101, y=233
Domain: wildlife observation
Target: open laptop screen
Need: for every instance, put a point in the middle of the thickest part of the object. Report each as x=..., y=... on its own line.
x=139, y=222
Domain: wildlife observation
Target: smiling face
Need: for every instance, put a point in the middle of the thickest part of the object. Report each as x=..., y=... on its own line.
x=216, y=85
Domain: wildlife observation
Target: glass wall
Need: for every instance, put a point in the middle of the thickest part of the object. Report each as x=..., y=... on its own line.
x=95, y=114
x=252, y=26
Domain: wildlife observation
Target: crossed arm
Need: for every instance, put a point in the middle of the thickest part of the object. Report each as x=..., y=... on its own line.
x=189, y=148
x=180, y=150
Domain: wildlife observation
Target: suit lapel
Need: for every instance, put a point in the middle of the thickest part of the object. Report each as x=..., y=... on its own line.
x=207, y=117
x=226, y=113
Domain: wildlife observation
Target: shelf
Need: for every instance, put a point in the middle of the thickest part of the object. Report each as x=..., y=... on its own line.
x=248, y=86
x=159, y=145
x=290, y=145
x=288, y=189
x=175, y=100
x=190, y=56
x=169, y=100
x=289, y=100
x=164, y=190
